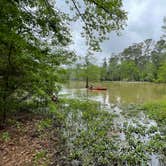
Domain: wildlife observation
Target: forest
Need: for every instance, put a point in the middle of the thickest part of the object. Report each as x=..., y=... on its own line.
x=144, y=61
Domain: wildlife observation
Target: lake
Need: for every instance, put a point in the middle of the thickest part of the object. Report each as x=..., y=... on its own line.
x=119, y=92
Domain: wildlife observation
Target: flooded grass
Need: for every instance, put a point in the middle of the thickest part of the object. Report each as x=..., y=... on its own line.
x=149, y=129
x=86, y=132
x=105, y=128
x=98, y=136
x=157, y=111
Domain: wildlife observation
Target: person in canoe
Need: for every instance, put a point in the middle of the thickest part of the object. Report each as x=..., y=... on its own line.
x=97, y=88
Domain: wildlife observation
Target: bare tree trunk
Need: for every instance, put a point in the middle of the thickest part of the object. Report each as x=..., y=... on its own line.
x=87, y=82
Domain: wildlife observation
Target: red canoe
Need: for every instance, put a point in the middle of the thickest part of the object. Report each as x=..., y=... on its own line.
x=98, y=88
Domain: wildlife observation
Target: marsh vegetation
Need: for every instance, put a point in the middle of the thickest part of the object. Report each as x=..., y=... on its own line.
x=99, y=131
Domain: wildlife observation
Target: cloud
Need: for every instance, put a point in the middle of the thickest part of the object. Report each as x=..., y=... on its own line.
x=145, y=18
x=78, y=44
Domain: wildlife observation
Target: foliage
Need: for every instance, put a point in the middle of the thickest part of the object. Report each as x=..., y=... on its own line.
x=129, y=71
x=91, y=138
x=138, y=62
x=41, y=155
x=103, y=70
x=44, y=124
x=113, y=71
x=99, y=18
x=162, y=73
x=83, y=71
x=91, y=124
x=27, y=64
x=34, y=36
x=5, y=136
x=157, y=111
x=138, y=126
x=144, y=61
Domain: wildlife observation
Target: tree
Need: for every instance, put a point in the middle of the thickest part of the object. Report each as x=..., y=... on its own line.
x=33, y=40
x=141, y=54
x=27, y=63
x=162, y=73
x=99, y=18
x=164, y=28
x=104, y=69
x=158, y=55
x=113, y=69
x=129, y=71
x=148, y=72
x=91, y=72
x=160, y=60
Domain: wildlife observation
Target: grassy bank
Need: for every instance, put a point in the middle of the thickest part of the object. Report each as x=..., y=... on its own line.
x=157, y=111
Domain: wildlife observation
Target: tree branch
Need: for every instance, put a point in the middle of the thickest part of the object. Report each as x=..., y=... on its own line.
x=82, y=17
x=102, y=7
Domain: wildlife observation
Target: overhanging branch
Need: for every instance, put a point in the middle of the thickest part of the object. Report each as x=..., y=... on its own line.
x=82, y=17
x=102, y=7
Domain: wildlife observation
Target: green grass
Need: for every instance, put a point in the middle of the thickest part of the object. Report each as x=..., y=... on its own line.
x=43, y=124
x=157, y=111
x=5, y=136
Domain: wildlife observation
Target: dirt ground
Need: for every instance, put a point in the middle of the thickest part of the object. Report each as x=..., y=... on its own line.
x=24, y=143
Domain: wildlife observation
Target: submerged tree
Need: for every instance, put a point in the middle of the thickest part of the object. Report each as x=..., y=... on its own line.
x=104, y=68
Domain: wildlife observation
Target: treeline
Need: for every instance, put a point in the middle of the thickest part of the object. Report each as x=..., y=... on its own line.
x=144, y=61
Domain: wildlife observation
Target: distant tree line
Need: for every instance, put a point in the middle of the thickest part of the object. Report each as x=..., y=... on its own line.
x=144, y=61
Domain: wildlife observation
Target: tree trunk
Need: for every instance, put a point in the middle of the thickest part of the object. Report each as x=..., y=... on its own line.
x=87, y=82
x=6, y=88
x=4, y=117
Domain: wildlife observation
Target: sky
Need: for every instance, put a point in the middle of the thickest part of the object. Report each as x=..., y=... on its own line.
x=145, y=19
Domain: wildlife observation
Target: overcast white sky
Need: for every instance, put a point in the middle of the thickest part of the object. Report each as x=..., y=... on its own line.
x=145, y=18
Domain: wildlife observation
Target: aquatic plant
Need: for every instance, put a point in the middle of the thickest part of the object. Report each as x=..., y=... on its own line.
x=92, y=139
x=156, y=111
